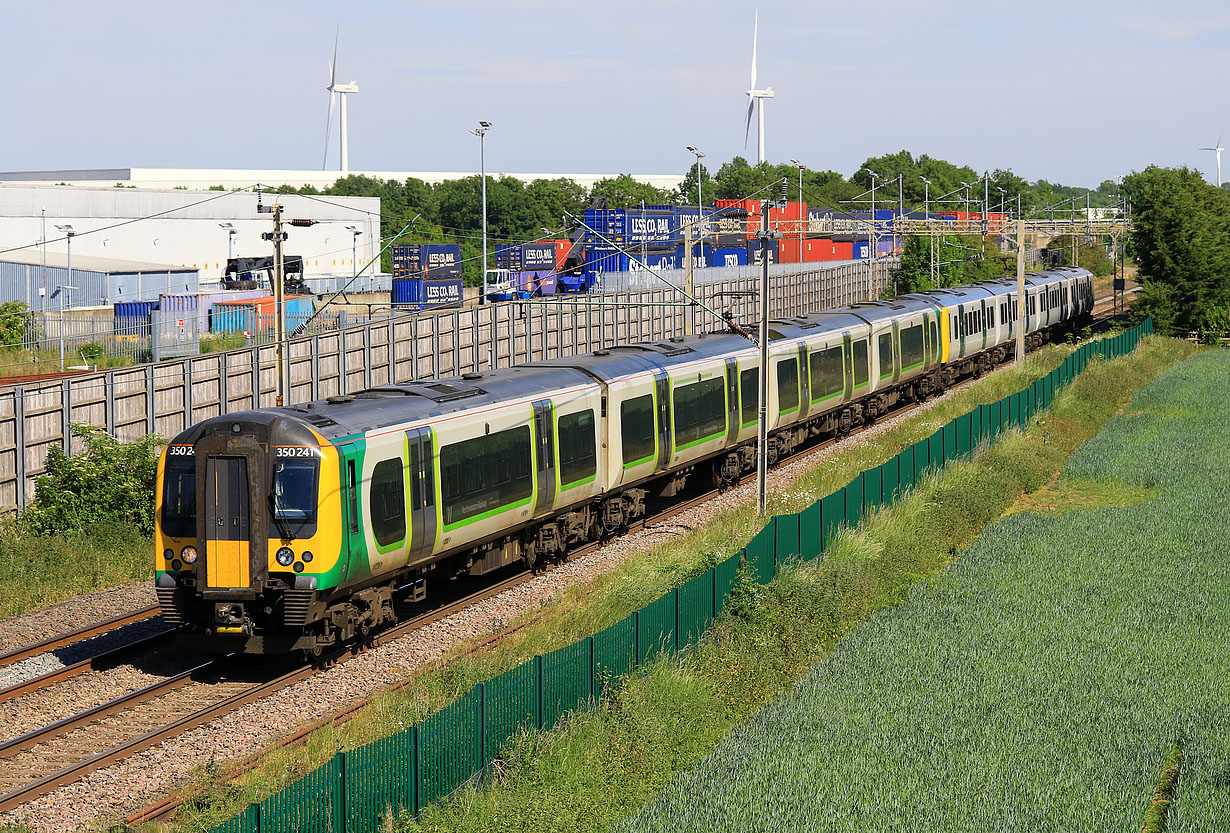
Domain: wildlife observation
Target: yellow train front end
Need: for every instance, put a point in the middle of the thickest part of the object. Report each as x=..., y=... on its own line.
x=249, y=533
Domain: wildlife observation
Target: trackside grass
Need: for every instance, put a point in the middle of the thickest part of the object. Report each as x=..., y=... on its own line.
x=1046, y=678
x=602, y=765
x=587, y=609
x=36, y=570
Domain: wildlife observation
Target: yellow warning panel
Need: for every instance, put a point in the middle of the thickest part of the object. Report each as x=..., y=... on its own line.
x=227, y=564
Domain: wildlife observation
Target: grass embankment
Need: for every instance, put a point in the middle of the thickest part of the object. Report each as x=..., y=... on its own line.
x=602, y=765
x=37, y=570
x=1047, y=677
x=589, y=608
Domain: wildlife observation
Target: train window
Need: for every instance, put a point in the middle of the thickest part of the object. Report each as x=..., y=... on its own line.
x=486, y=473
x=294, y=498
x=828, y=373
x=991, y=316
x=935, y=341
x=886, y=354
x=637, y=430
x=179, y=498
x=858, y=359
x=788, y=386
x=749, y=395
x=386, y=494
x=912, y=352
x=700, y=411
x=578, y=460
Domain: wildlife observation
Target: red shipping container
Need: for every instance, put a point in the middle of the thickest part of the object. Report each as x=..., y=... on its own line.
x=561, y=251
x=814, y=250
x=789, y=220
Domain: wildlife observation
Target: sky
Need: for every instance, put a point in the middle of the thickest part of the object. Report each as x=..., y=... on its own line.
x=1075, y=92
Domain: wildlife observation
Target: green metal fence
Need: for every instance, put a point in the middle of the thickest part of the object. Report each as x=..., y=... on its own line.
x=405, y=772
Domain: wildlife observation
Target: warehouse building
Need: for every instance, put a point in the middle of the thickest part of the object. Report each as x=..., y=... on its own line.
x=195, y=231
x=48, y=285
x=204, y=178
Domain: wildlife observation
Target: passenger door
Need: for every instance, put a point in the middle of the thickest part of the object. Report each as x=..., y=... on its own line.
x=662, y=390
x=422, y=474
x=227, y=523
x=544, y=454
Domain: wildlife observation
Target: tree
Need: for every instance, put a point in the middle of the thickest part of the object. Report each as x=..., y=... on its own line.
x=625, y=192
x=109, y=483
x=14, y=318
x=1181, y=241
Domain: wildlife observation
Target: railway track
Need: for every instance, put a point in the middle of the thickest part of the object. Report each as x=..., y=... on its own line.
x=79, y=635
x=62, y=752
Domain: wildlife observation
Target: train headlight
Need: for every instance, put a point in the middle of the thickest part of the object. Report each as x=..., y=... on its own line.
x=307, y=556
x=285, y=556
x=169, y=554
x=188, y=554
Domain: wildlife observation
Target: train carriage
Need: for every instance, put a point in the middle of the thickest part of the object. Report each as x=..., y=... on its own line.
x=293, y=528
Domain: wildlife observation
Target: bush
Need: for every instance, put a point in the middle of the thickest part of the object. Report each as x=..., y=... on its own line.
x=110, y=482
x=14, y=315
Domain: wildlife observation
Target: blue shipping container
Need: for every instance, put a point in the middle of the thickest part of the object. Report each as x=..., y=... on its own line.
x=417, y=293
x=753, y=251
x=632, y=226
x=728, y=257
x=132, y=318
x=700, y=255
x=605, y=259
x=438, y=260
x=861, y=247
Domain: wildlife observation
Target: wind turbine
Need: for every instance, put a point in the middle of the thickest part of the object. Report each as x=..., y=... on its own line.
x=1217, y=150
x=756, y=97
x=336, y=91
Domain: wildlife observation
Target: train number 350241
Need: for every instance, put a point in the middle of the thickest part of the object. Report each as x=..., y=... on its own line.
x=297, y=451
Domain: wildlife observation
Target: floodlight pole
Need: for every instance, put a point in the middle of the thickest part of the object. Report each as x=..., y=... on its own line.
x=762, y=422
x=481, y=132
x=762, y=405
x=1020, y=291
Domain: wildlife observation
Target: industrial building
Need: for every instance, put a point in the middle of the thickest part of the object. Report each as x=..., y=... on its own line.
x=204, y=178
x=47, y=284
x=176, y=230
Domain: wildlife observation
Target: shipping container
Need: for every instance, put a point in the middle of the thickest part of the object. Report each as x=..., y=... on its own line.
x=700, y=255
x=790, y=219
x=418, y=293
x=727, y=257
x=656, y=260
x=257, y=314
x=861, y=248
x=436, y=260
x=632, y=226
x=773, y=247
x=197, y=306
x=132, y=318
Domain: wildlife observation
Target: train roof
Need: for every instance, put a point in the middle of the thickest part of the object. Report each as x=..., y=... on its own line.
x=620, y=360
x=341, y=416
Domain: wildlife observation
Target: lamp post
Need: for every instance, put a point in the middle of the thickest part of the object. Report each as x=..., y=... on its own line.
x=872, y=238
x=480, y=132
x=231, y=231
x=699, y=154
x=65, y=287
x=800, y=166
x=354, y=251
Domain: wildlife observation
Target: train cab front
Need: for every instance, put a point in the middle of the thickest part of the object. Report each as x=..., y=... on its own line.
x=247, y=534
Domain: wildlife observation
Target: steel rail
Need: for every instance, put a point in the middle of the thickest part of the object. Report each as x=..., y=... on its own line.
x=79, y=635
x=168, y=806
x=94, y=663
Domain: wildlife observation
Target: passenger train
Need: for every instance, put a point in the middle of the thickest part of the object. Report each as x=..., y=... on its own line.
x=294, y=528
